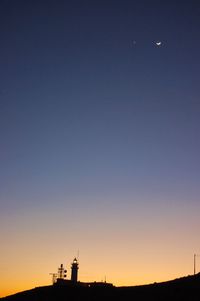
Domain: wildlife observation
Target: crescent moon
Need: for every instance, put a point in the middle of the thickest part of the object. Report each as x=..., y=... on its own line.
x=158, y=43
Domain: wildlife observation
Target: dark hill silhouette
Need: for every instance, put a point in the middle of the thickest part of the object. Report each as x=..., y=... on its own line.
x=186, y=288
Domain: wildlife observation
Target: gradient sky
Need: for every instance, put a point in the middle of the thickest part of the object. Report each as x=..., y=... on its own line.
x=99, y=140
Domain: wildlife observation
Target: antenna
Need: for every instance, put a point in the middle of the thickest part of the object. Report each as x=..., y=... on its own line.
x=78, y=255
x=62, y=273
x=54, y=277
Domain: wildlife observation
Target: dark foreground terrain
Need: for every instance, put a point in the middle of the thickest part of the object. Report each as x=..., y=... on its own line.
x=187, y=288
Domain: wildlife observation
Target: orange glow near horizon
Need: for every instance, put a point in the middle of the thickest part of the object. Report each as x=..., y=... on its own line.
x=118, y=275
x=113, y=244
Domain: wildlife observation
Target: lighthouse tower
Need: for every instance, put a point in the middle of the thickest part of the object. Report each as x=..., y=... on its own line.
x=74, y=268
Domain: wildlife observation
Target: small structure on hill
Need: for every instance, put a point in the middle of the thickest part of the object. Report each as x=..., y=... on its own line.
x=60, y=278
x=62, y=273
x=74, y=270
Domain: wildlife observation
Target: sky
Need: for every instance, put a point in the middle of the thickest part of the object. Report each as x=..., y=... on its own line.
x=99, y=140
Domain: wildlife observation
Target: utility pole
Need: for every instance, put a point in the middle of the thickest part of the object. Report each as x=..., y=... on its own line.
x=195, y=256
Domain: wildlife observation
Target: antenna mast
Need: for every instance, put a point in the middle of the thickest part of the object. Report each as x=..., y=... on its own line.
x=54, y=277
x=195, y=256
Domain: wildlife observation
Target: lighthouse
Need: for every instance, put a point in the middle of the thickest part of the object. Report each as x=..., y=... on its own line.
x=74, y=268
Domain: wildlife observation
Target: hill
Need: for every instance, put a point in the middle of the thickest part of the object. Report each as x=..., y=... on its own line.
x=187, y=288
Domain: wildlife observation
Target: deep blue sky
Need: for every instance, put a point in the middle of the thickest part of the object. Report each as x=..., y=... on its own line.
x=87, y=115
x=84, y=110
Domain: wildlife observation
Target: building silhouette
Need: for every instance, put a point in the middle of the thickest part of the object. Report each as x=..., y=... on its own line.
x=74, y=270
x=60, y=278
